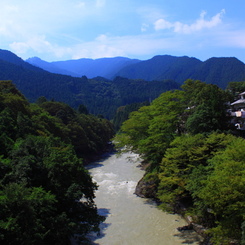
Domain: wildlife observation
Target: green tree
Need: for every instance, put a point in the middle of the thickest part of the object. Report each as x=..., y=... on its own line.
x=46, y=195
x=184, y=166
x=82, y=109
x=150, y=129
x=47, y=162
x=41, y=100
x=207, y=105
x=223, y=192
x=8, y=130
x=243, y=233
x=235, y=88
x=27, y=215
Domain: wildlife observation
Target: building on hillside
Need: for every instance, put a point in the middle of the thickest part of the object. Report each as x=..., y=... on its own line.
x=238, y=112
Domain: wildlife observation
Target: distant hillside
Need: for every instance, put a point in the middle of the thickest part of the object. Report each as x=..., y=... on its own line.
x=50, y=67
x=219, y=71
x=10, y=57
x=169, y=67
x=104, y=67
x=100, y=96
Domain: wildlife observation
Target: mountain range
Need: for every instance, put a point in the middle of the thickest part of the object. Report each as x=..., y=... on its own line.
x=100, y=95
x=104, y=67
x=103, y=85
x=219, y=71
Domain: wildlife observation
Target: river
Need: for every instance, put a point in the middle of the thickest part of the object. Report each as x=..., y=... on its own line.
x=131, y=220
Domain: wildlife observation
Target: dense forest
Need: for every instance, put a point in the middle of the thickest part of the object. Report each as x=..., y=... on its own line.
x=194, y=159
x=101, y=96
x=46, y=195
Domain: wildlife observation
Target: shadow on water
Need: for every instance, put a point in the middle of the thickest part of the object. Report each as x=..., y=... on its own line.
x=93, y=236
x=99, y=163
x=189, y=237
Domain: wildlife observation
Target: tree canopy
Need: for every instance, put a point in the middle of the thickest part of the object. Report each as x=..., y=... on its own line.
x=46, y=195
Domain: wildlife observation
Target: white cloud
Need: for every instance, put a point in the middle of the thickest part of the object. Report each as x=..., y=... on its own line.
x=101, y=38
x=232, y=38
x=162, y=24
x=144, y=27
x=129, y=46
x=40, y=45
x=79, y=28
x=100, y=3
x=7, y=24
x=81, y=4
x=198, y=25
x=149, y=13
x=102, y=46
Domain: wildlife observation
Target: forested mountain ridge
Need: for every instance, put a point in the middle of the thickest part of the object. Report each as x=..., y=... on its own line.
x=100, y=96
x=219, y=71
x=10, y=57
x=176, y=68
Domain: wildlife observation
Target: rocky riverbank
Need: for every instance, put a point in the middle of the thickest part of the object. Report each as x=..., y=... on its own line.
x=148, y=189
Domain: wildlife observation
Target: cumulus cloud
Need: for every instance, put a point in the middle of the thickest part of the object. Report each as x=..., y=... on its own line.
x=198, y=25
x=162, y=24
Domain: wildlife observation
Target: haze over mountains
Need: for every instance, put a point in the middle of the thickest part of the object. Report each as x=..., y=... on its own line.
x=103, y=85
x=217, y=71
x=104, y=67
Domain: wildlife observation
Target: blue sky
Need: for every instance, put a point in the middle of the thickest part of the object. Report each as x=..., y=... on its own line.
x=72, y=29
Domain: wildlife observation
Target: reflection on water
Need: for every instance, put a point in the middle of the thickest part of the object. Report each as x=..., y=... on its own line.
x=131, y=220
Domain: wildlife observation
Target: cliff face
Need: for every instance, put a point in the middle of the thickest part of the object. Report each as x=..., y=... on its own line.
x=146, y=188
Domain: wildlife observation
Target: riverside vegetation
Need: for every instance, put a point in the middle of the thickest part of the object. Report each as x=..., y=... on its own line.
x=46, y=195
x=194, y=161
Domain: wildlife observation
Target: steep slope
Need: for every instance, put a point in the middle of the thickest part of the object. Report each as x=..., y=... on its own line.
x=162, y=67
x=50, y=67
x=10, y=57
x=221, y=71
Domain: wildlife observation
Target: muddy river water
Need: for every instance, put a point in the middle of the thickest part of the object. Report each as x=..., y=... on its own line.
x=131, y=220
